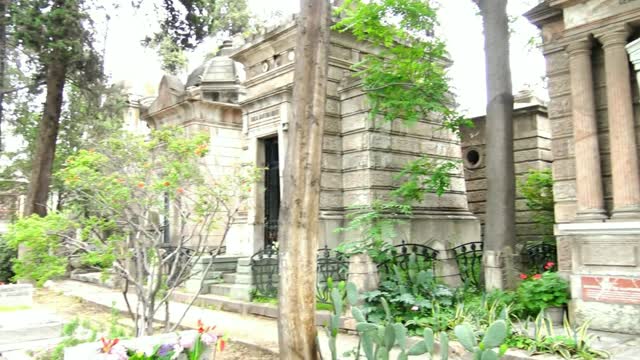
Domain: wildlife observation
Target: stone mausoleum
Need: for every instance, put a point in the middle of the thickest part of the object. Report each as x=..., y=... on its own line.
x=242, y=98
x=592, y=50
x=532, y=151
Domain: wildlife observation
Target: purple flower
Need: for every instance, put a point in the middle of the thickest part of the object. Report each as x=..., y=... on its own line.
x=188, y=339
x=208, y=338
x=164, y=349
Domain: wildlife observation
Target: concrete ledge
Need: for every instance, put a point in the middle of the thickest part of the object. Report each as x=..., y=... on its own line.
x=16, y=295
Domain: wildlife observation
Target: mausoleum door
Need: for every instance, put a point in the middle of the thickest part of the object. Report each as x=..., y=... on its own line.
x=272, y=192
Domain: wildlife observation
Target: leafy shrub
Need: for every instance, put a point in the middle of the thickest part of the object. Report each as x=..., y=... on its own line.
x=575, y=343
x=42, y=236
x=537, y=189
x=414, y=296
x=7, y=255
x=541, y=291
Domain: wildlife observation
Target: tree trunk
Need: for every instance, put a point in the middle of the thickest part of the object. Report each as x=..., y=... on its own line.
x=299, y=212
x=36, y=202
x=499, y=237
x=3, y=62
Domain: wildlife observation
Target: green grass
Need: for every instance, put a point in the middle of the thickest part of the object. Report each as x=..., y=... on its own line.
x=273, y=301
x=5, y=308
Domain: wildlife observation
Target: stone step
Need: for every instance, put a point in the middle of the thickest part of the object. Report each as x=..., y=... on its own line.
x=220, y=289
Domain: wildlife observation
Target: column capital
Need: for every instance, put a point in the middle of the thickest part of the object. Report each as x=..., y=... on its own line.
x=614, y=36
x=579, y=46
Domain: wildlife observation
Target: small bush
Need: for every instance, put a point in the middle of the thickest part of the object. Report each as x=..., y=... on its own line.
x=7, y=255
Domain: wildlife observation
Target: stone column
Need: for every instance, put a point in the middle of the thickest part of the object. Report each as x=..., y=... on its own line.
x=585, y=133
x=624, y=152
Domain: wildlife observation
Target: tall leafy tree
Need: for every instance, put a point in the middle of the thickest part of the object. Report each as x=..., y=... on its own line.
x=300, y=208
x=54, y=32
x=58, y=37
x=499, y=235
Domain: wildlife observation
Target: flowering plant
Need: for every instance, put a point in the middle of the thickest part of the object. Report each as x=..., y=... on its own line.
x=193, y=344
x=540, y=291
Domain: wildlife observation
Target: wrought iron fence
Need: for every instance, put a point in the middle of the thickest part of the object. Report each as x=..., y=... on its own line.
x=264, y=267
x=469, y=259
x=403, y=254
x=537, y=256
x=331, y=264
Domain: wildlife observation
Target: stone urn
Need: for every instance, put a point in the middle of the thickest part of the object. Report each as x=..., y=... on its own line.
x=555, y=314
x=363, y=272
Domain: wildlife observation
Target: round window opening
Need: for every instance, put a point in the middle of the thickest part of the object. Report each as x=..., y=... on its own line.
x=473, y=158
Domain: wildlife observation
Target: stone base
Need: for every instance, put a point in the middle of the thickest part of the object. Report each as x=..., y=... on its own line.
x=16, y=295
x=622, y=318
x=602, y=262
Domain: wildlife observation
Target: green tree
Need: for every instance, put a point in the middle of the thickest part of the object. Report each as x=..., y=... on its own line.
x=404, y=80
x=120, y=192
x=537, y=189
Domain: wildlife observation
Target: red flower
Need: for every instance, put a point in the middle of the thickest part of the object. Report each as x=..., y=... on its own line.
x=537, y=277
x=107, y=345
x=549, y=265
x=180, y=190
x=523, y=276
x=221, y=344
x=202, y=329
x=140, y=185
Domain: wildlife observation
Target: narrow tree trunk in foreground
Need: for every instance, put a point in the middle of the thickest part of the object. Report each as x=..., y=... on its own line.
x=499, y=234
x=36, y=202
x=299, y=212
x=3, y=62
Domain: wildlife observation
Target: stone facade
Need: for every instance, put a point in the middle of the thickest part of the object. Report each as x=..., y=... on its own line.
x=243, y=114
x=532, y=147
x=595, y=121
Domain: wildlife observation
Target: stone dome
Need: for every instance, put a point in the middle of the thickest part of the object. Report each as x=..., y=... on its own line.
x=219, y=70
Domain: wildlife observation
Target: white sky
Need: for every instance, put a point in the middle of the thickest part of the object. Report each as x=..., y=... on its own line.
x=461, y=27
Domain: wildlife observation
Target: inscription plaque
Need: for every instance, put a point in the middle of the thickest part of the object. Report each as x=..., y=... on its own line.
x=610, y=289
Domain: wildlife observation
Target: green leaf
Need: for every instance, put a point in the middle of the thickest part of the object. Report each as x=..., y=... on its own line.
x=495, y=335
x=366, y=327
x=465, y=335
x=428, y=339
x=444, y=346
x=352, y=293
x=357, y=314
x=418, y=348
x=401, y=335
x=489, y=355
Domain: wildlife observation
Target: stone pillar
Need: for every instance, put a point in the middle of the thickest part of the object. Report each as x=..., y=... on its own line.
x=585, y=132
x=624, y=152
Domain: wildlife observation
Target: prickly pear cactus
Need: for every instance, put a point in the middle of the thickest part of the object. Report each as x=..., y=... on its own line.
x=491, y=347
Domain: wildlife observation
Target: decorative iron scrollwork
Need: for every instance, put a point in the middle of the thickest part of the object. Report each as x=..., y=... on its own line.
x=469, y=259
x=537, y=256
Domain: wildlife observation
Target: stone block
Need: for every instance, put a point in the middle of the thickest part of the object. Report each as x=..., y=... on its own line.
x=564, y=190
x=618, y=318
x=565, y=211
x=16, y=295
x=559, y=85
x=556, y=62
x=564, y=169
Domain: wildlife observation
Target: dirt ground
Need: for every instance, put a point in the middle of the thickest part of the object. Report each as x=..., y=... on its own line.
x=71, y=308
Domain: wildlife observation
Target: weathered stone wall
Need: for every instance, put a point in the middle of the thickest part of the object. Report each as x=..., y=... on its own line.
x=360, y=157
x=597, y=224
x=532, y=147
